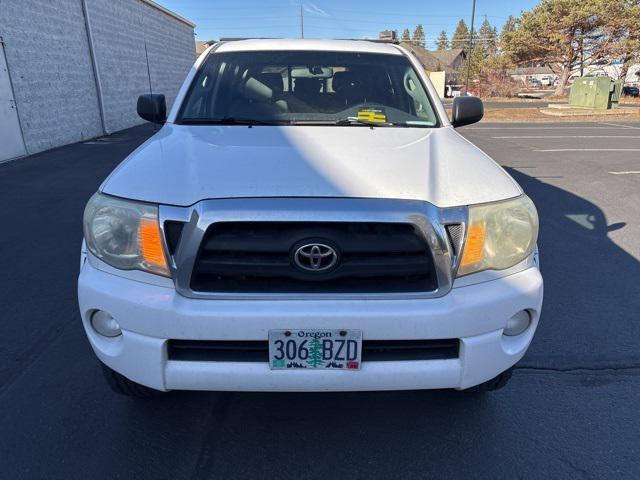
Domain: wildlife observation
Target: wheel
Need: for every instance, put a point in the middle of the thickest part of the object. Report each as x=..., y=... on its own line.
x=123, y=386
x=496, y=383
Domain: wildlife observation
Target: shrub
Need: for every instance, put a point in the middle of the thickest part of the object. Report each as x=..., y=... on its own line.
x=496, y=83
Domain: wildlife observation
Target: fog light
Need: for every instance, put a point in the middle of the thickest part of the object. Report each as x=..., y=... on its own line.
x=518, y=323
x=105, y=324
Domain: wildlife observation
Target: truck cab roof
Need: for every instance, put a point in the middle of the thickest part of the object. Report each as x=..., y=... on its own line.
x=289, y=44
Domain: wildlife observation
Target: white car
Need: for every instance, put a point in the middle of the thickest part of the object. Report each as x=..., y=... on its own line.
x=308, y=219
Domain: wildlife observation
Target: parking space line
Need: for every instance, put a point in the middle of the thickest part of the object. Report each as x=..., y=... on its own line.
x=555, y=126
x=568, y=136
x=622, y=126
x=589, y=150
x=630, y=172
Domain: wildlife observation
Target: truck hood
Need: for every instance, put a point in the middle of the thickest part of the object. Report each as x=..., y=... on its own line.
x=182, y=165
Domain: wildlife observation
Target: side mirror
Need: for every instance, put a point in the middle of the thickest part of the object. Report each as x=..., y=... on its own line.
x=152, y=107
x=466, y=110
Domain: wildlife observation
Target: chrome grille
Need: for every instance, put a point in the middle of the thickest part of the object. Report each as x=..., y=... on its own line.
x=410, y=221
x=254, y=257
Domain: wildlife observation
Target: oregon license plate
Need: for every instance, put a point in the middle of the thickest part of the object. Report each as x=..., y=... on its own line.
x=315, y=349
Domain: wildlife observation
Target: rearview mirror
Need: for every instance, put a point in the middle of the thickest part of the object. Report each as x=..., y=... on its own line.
x=466, y=110
x=152, y=107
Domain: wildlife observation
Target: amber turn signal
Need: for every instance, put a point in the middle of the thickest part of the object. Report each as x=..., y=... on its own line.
x=150, y=243
x=474, y=246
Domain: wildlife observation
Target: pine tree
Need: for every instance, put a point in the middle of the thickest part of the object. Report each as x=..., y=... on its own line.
x=460, y=37
x=509, y=27
x=418, y=35
x=487, y=37
x=443, y=41
x=558, y=33
x=406, y=35
x=315, y=353
x=477, y=59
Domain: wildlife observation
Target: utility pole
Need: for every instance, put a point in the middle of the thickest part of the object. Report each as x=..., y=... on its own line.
x=301, y=21
x=473, y=15
x=582, y=56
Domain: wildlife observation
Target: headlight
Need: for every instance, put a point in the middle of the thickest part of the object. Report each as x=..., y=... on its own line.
x=125, y=234
x=499, y=235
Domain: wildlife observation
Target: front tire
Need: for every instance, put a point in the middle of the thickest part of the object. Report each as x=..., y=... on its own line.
x=123, y=386
x=496, y=383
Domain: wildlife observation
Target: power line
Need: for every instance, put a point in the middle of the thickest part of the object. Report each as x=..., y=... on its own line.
x=332, y=18
x=405, y=14
x=263, y=27
x=374, y=22
x=242, y=18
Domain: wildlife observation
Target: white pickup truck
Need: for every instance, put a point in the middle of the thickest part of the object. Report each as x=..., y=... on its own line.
x=308, y=219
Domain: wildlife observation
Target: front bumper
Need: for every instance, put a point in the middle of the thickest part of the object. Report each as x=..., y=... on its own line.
x=150, y=315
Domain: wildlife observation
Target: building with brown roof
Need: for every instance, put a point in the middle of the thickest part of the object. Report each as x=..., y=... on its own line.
x=449, y=61
x=202, y=46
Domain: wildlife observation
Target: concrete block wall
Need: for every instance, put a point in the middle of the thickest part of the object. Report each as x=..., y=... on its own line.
x=170, y=61
x=49, y=59
x=51, y=71
x=120, y=30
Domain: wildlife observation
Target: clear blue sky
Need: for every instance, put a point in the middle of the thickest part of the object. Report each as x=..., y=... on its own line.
x=336, y=18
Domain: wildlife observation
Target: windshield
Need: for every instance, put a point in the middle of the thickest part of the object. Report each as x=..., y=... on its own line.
x=300, y=87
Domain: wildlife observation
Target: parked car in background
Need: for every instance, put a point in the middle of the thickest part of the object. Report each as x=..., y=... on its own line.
x=308, y=219
x=630, y=91
x=535, y=82
x=452, y=91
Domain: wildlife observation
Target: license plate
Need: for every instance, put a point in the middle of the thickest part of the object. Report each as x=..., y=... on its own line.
x=315, y=349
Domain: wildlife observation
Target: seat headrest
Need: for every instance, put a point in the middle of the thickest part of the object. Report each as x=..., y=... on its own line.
x=343, y=80
x=256, y=90
x=273, y=80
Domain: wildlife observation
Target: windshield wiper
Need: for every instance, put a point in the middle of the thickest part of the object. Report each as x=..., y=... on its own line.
x=228, y=121
x=357, y=121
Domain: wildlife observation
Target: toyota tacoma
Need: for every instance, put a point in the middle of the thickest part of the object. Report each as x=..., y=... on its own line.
x=307, y=218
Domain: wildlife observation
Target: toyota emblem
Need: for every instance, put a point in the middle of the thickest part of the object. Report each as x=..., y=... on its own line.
x=315, y=257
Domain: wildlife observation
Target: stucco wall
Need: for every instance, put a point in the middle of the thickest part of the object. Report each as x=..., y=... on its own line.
x=49, y=59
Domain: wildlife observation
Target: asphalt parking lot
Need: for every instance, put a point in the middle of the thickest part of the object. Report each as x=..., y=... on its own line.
x=522, y=103
x=570, y=411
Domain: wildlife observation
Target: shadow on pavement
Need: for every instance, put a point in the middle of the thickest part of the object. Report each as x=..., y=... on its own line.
x=548, y=423
x=59, y=420
x=591, y=284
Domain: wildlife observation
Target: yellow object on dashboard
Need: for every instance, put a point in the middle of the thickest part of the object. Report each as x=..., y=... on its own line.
x=372, y=115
